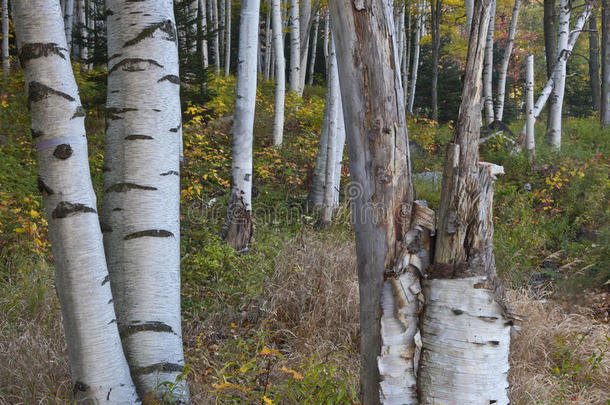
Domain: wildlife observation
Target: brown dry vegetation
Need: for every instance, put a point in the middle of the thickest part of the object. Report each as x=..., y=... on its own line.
x=311, y=306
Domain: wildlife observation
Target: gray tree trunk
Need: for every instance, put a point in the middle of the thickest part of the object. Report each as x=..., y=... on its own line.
x=6, y=64
x=228, y=38
x=530, y=142
x=314, y=48
x=377, y=140
x=141, y=205
x=280, y=66
x=505, y=60
x=238, y=228
x=215, y=39
x=594, y=61
x=468, y=4
x=68, y=20
x=295, y=47
x=435, y=30
x=605, y=98
x=418, y=35
x=99, y=370
x=268, y=40
x=305, y=23
x=82, y=27
x=550, y=41
x=489, y=66
x=203, y=33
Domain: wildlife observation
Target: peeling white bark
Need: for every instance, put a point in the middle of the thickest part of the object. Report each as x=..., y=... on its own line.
x=505, y=60
x=99, y=370
x=142, y=189
x=280, y=65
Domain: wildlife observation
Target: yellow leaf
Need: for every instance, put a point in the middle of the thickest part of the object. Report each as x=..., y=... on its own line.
x=34, y=214
x=268, y=352
x=267, y=400
x=295, y=374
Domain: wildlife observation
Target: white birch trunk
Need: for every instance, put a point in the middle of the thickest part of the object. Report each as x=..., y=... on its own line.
x=68, y=19
x=339, y=151
x=489, y=67
x=305, y=22
x=468, y=4
x=530, y=142
x=326, y=36
x=505, y=60
x=204, y=32
x=222, y=6
x=331, y=144
x=228, y=38
x=215, y=39
x=280, y=66
x=314, y=48
x=418, y=32
x=99, y=370
x=559, y=75
x=6, y=64
x=142, y=189
x=238, y=229
x=268, y=41
x=295, y=47
x=82, y=26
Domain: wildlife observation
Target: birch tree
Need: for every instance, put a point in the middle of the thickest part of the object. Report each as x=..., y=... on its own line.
x=68, y=20
x=305, y=23
x=488, y=67
x=140, y=215
x=594, y=61
x=436, y=7
x=6, y=64
x=82, y=29
x=215, y=39
x=295, y=47
x=238, y=228
x=505, y=61
x=280, y=67
x=559, y=75
x=418, y=35
x=202, y=29
x=605, y=98
x=530, y=142
x=268, y=40
x=382, y=199
x=465, y=329
x=314, y=47
x=99, y=370
x=227, y=30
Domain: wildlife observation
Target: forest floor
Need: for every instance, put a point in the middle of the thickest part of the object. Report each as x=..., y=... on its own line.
x=279, y=323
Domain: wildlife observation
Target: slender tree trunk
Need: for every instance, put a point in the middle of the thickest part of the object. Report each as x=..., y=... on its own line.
x=305, y=22
x=594, y=61
x=314, y=47
x=268, y=39
x=99, y=370
x=228, y=38
x=82, y=27
x=530, y=142
x=340, y=145
x=418, y=32
x=465, y=333
x=377, y=140
x=554, y=131
x=505, y=60
x=142, y=189
x=68, y=19
x=468, y=4
x=406, y=53
x=6, y=64
x=326, y=36
x=215, y=39
x=295, y=48
x=202, y=30
x=280, y=64
x=222, y=6
x=238, y=228
x=489, y=66
x=329, y=179
x=550, y=42
x=435, y=30
x=605, y=98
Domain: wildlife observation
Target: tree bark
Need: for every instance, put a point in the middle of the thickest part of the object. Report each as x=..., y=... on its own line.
x=373, y=103
x=339, y=151
x=6, y=64
x=82, y=28
x=215, y=40
x=238, y=228
x=314, y=48
x=465, y=337
x=605, y=98
x=99, y=370
x=228, y=38
x=468, y=4
x=305, y=23
x=142, y=189
x=280, y=66
x=406, y=53
x=295, y=47
x=268, y=40
x=489, y=66
x=418, y=32
x=559, y=80
x=435, y=31
x=594, y=61
x=505, y=60
x=530, y=142
x=202, y=33
x=68, y=20
x=550, y=42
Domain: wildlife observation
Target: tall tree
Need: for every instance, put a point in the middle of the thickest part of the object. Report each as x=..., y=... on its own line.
x=373, y=104
x=418, y=34
x=594, y=61
x=267, y=45
x=436, y=7
x=550, y=41
x=202, y=33
x=464, y=330
x=489, y=67
x=505, y=60
x=6, y=64
x=142, y=189
x=280, y=67
x=227, y=29
x=82, y=31
x=99, y=370
x=215, y=37
x=295, y=47
x=530, y=142
x=68, y=21
x=605, y=98
x=314, y=47
x=238, y=228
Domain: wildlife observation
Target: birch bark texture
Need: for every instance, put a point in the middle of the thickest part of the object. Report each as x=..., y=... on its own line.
x=140, y=216
x=6, y=64
x=559, y=75
x=295, y=47
x=594, y=81
x=99, y=370
x=215, y=39
x=228, y=38
x=202, y=28
x=331, y=144
x=505, y=61
x=530, y=142
x=314, y=47
x=280, y=67
x=415, y=68
x=382, y=193
x=464, y=332
x=605, y=98
x=68, y=21
x=489, y=67
x=238, y=228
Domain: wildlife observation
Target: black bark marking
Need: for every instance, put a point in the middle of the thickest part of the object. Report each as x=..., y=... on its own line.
x=111, y=322
x=136, y=137
x=115, y=91
x=43, y=188
x=457, y=311
x=175, y=129
x=123, y=187
x=110, y=301
x=38, y=91
x=175, y=173
x=105, y=227
x=494, y=342
x=79, y=386
x=164, y=26
x=108, y=12
x=170, y=78
x=35, y=133
x=116, y=55
x=117, y=209
x=66, y=209
x=63, y=151
x=156, y=110
x=108, y=395
x=106, y=169
x=106, y=279
x=116, y=113
x=39, y=49
x=158, y=367
x=152, y=326
x=79, y=112
x=155, y=233
x=133, y=65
